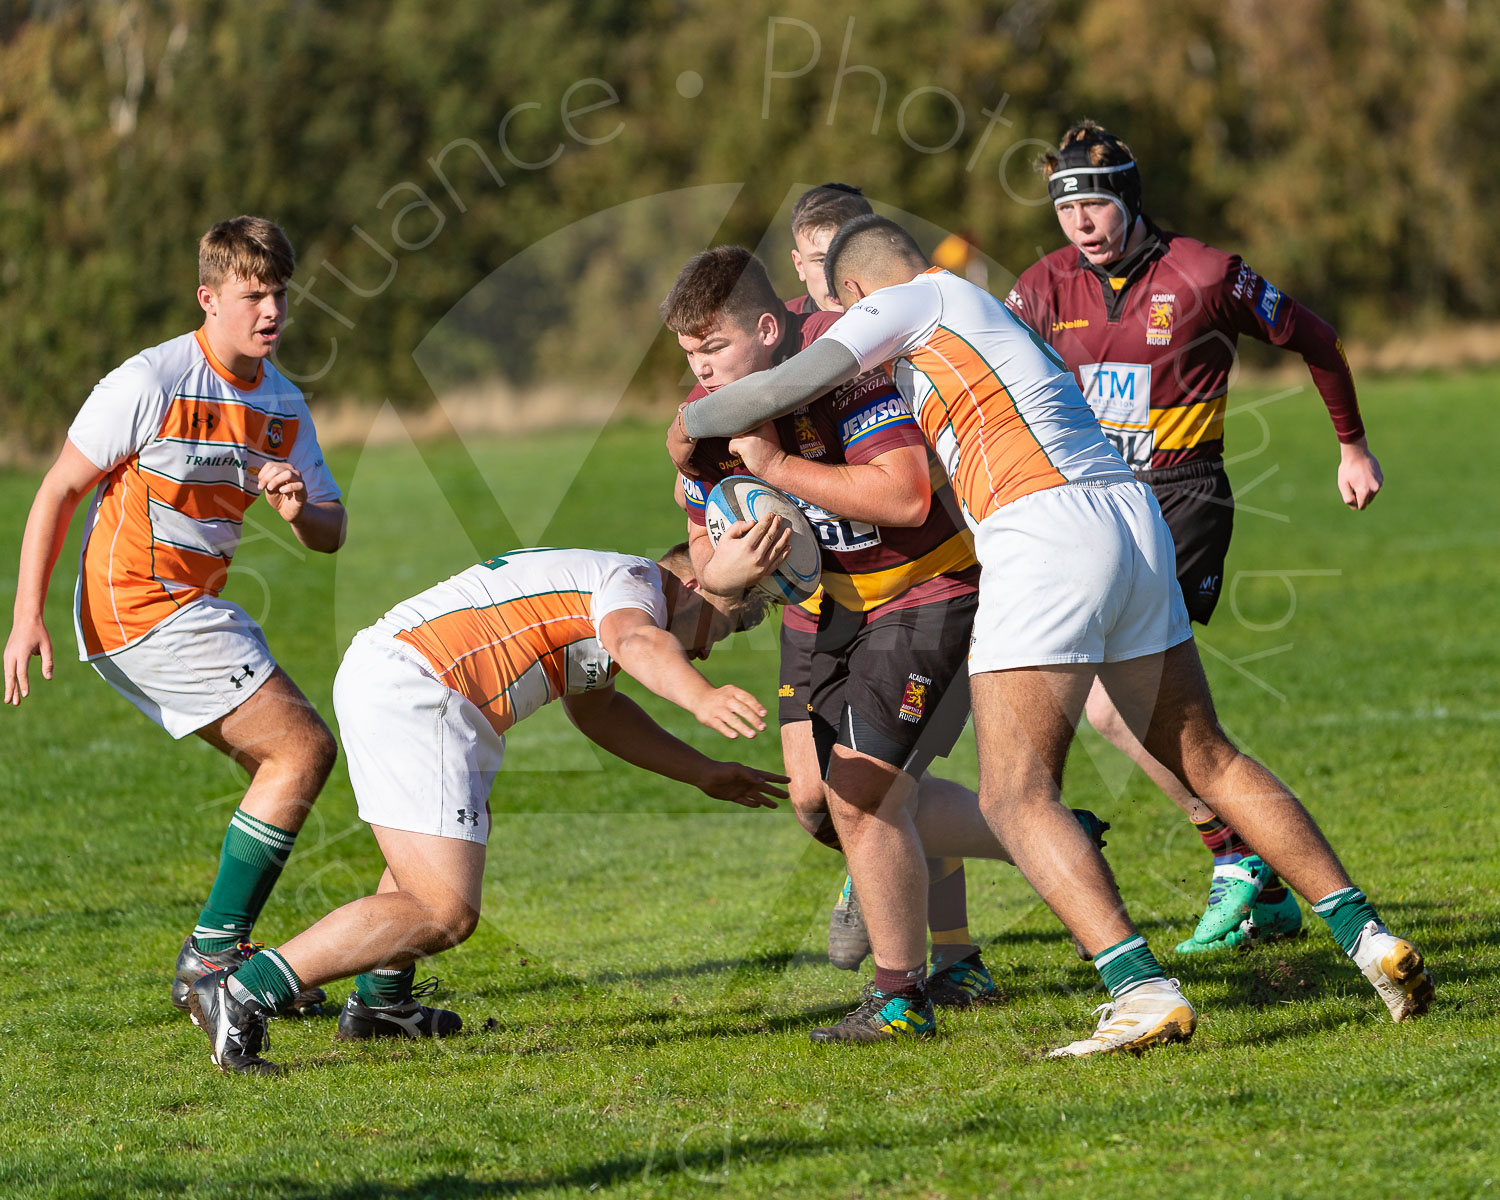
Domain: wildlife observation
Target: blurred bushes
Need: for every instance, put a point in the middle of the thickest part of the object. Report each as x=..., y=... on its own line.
x=411, y=149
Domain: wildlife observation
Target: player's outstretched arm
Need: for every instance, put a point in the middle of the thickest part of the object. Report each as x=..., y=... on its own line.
x=319, y=525
x=69, y=479
x=655, y=658
x=618, y=724
x=765, y=395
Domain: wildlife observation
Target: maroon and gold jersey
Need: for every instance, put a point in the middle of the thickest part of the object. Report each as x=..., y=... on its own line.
x=1153, y=346
x=865, y=566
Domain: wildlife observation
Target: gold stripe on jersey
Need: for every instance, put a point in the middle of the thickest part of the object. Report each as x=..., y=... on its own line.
x=871, y=589
x=1187, y=425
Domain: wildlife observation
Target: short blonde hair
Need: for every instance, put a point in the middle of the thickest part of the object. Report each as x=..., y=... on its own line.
x=250, y=247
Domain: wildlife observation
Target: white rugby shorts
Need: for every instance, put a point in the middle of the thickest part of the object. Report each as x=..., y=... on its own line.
x=1079, y=573
x=422, y=758
x=198, y=665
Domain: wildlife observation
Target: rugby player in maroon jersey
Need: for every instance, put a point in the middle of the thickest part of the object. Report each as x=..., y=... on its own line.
x=1148, y=320
x=887, y=647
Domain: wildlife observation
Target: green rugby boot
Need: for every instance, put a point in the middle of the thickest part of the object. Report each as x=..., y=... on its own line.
x=962, y=985
x=1232, y=893
x=879, y=1018
x=1269, y=921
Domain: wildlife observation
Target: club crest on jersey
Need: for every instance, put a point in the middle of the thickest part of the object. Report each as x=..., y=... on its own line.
x=1159, y=318
x=808, y=442
x=914, y=700
x=275, y=433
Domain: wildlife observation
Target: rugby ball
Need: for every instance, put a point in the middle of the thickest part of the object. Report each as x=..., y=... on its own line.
x=746, y=498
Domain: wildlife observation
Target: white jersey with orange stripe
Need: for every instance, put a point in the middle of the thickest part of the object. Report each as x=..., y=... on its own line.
x=181, y=440
x=520, y=630
x=1003, y=413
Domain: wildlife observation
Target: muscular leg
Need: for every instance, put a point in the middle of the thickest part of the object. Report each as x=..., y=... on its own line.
x=799, y=756
x=428, y=902
x=282, y=742
x=872, y=804
x=278, y=737
x=1165, y=698
x=1106, y=719
x=1024, y=721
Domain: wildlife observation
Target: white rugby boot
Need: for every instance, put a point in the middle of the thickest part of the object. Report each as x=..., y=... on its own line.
x=1149, y=1015
x=1396, y=969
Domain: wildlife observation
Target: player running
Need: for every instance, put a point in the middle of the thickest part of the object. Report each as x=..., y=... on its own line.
x=424, y=699
x=883, y=655
x=1148, y=321
x=1079, y=583
x=179, y=441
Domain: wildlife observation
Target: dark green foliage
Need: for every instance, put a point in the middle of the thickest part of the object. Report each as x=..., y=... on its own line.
x=1339, y=147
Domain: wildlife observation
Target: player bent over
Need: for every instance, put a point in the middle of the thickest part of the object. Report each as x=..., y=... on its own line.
x=179, y=441
x=1079, y=583
x=424, y=698
x=884, y=655
x=1148, y=321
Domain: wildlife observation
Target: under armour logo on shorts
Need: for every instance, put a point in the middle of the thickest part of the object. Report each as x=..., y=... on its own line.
x=467, y=816
x=239, y=680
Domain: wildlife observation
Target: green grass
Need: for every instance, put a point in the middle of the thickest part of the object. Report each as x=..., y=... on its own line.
x=649, y=961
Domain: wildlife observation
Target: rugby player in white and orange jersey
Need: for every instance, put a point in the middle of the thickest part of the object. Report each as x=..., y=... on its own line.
x=424, y=699
x=1149, y=321
x=176, y=444
x=1078, y=583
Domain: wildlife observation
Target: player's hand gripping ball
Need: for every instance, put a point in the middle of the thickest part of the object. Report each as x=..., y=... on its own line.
x=746, y=498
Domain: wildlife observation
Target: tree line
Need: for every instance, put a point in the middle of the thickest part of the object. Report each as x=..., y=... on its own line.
x=489, y=190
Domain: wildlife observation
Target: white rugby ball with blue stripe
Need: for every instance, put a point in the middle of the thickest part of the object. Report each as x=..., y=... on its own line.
x=746, y=498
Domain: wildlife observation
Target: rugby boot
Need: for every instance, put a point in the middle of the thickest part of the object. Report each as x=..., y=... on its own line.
x=1096, y=827
x=1152, y=1014
x=848, y=939
x=236, y=1028
x=962, y=985
x=193, y=963
x=879, y=1018
x=409, y=1019
x=1269, y=921
x=1396, y=969
x=1232, y=893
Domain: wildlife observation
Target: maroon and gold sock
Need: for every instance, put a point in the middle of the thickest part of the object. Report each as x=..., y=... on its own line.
x=1222, y=841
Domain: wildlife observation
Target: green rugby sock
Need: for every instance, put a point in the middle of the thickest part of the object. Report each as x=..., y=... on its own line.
x=266, y=979
x=1126, y=965
x=1347, y=913
x=250, y=862
x=381, y=989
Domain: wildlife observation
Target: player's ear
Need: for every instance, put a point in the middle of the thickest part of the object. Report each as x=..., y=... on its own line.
x=797, y=262
x=208, y=299
x=768, y=329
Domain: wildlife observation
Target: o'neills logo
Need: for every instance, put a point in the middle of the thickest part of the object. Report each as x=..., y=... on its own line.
x=1159, y=319
x=1080, y=323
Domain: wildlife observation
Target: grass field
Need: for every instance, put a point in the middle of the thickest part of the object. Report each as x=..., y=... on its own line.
x=649, y=961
